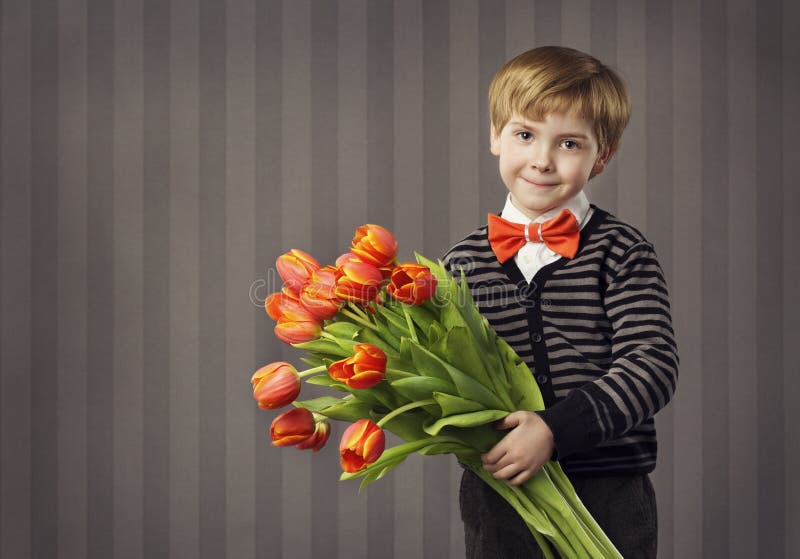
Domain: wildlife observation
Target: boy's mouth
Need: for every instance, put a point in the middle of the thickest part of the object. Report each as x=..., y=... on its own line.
x=539, y=184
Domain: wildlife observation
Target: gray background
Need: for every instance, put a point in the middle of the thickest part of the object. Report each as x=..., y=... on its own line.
x=156, y=156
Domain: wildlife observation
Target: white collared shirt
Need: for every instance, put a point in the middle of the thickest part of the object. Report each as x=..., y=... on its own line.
x=532, y=257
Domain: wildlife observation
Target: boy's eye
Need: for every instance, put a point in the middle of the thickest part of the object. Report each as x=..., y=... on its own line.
x=570, y=144
x=524, y=135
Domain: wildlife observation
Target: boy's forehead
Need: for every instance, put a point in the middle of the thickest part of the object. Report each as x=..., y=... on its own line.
x=574, y=118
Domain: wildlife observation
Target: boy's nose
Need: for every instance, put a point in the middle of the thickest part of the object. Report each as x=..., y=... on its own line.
x=540, y=160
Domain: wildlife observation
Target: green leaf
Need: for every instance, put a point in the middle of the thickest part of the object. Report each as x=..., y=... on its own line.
x=312, y=361
x=452, y=405
x=465, y=420
x=388, y=343
x=459, y=348
x=421, y=316
x=343, y=329
x=325, y=347
x=422, y=387
x=426, y=363
x=348, y=410
x=318, y=404
x=435, y=332
x=396, y=320
x=471, y=389
x=523, y=388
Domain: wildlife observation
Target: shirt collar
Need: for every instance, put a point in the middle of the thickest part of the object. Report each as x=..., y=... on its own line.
x=578, y=205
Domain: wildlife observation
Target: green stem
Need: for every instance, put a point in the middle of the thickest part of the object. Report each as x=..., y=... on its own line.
x=399, y=373
x=411, y=328
x=394, y=413
x=310, y=372
x=358, y=319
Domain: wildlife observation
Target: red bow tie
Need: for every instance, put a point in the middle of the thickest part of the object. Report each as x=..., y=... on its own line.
x=561, y=234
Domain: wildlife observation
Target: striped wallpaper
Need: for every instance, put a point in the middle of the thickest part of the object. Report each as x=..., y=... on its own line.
x=156, y=156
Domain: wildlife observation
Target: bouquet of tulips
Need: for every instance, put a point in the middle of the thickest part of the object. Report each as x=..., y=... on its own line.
x=407, y=351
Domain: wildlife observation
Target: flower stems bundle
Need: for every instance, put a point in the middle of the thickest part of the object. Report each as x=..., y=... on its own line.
x=408, y=352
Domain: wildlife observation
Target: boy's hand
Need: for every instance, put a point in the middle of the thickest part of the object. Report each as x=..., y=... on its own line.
x=525, y=449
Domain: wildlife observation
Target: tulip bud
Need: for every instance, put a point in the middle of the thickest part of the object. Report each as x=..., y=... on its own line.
x=412, y=283
x=316, y=441
x=374, y=245
x=358, y=281
x=275, y=385
x=362, y=444
x=277, y=303
x=296, y=327
x=295, y=268
x=319, y=294
x=292, y=427
x=364, y=369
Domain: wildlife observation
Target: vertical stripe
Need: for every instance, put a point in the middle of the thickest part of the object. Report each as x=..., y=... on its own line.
x=436, y=228
x=156, y=261
x=659, y=157
x=547, y=23
x=352, y=203
x=184, y=301
x=742, y=294
x=296, y=233
x=212, y=288
x=15, y=291
x=791, y=278
x=791, y=271
x=101, y=269
x=769, y=286
x=467, y=121
x=409, y=188
x=72, y=279
x=520, y=22
x=352, y=108
x=491, y=55
x=268, y=216
x=714, y=180
x=380, y=202
x=240, y=270
x=688, y=200
x=44, y=251
x=631, y=157
x=578, y=22
x=132, y=156
x=602, y=189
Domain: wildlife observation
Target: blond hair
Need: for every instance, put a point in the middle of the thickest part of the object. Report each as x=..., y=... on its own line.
x=551, y=79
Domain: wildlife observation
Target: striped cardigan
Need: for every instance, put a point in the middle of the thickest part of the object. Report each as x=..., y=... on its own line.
x=596, y=333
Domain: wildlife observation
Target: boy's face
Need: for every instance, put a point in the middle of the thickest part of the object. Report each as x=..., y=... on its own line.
x=545, y=163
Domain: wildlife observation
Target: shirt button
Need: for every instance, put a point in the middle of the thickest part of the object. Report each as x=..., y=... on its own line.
x=545, y=302
x=541, y=379
x=536, y=337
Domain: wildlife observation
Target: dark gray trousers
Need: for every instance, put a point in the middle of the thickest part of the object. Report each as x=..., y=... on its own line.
x=624, y=507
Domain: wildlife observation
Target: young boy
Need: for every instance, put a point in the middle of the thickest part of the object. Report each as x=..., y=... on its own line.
x=582, y=299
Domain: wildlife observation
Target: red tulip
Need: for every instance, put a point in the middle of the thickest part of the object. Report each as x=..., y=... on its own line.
x=358, y=281
x=321, y=433
x=292, y=427
x=362, y=444
x=412, y=283
x=347, y=257
x=364, y=369
x=295, y=268
x=275, y=385
x=374, y=245
x=319, y=294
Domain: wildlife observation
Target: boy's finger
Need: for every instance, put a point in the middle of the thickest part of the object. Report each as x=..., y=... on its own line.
x=508, y=422
x=493, y=456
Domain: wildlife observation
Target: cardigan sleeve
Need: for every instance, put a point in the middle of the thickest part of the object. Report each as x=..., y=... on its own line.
x=644, y=369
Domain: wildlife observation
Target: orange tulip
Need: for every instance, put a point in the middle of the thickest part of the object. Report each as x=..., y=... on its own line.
x=362, y=444
x=364, y=369
x=278, y=302
x=298, y=327
x=374, y=245
x=292, y=427
x=275, y=385
x=347, y=257
x=358, y=281
x=412, y=283
x=295, y=268
x=316, y=441
x=319, y=294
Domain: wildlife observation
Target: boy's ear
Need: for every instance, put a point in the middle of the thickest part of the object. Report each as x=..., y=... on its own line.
x=494, y=141
x=602, y=161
